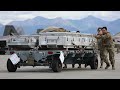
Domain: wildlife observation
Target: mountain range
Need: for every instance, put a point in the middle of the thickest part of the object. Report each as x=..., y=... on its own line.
x=85, y=25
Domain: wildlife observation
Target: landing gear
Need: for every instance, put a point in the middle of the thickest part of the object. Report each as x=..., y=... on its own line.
x=56, y=63
x=94, y=63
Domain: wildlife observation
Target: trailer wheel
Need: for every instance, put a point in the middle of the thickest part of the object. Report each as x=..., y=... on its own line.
x=10, y=66
x=94, y=63
x=56, y=66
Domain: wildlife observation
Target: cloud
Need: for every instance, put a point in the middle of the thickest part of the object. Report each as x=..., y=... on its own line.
x=8, y=16
x=107, y=15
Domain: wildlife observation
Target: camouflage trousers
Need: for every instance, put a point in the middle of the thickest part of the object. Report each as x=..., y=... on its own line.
x=101, y=57
x=110, y=51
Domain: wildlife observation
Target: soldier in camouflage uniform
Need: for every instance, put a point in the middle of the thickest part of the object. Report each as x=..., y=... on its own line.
x=99, y=41
x=107, y=47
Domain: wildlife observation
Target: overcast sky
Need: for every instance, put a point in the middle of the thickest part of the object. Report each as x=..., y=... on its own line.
x=8, y=16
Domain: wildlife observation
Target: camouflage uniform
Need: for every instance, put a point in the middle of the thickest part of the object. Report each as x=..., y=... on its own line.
x=108, y=47
x=99, y=43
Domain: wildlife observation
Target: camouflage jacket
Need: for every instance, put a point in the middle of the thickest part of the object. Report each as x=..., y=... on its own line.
x=106, y=40
x=99, y=41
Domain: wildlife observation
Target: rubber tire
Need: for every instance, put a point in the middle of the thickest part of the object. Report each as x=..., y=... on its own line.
x=94, y=63
x=56, y=66
x=10, y=66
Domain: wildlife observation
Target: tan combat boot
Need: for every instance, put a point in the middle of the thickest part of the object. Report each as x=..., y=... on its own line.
x=108, y=65
x=113, y=67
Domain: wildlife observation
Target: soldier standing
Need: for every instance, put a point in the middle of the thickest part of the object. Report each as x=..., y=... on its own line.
x=99, y=41
x=108, y=48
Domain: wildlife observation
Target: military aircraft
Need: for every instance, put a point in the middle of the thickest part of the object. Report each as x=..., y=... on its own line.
x=9, y=32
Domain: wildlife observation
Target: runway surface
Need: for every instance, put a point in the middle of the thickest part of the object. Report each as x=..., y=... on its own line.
x=42, y=72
